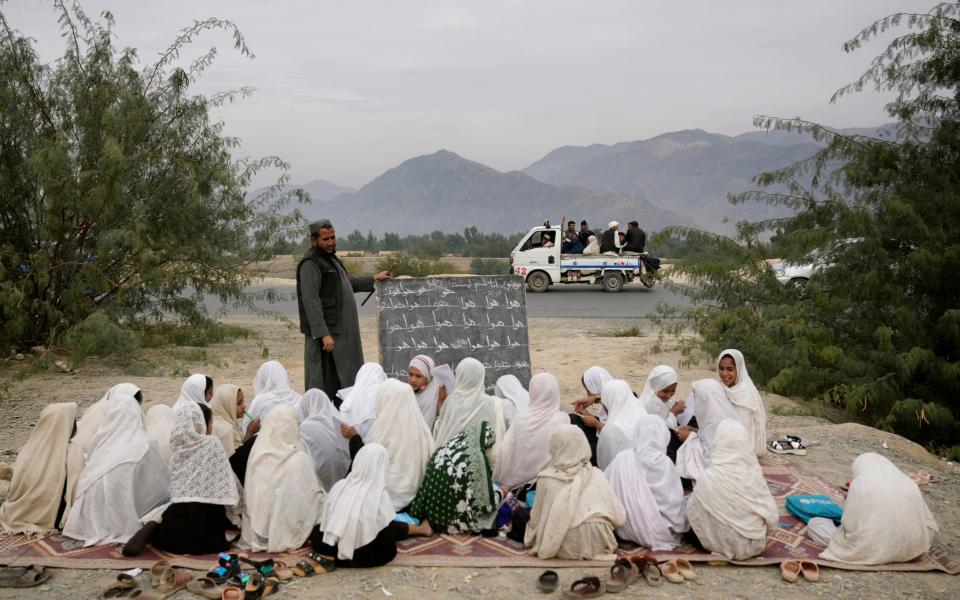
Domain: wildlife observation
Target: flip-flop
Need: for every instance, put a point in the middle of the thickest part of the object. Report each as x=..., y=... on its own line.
x=810, y=570
x=686, y=569
x=156, y=572
x=255, y=587
x=206, y=587
x=788, y=447
x=125, y=580
x=588, y=587
x=23, y=577
x=173, y=581
x=548, y=581
x=232, y=593
x=790, y=570
x=115, y=592
x=323, y=564
x=304, y=568
x=671, y=572
x=221, y=575
x=623, y=574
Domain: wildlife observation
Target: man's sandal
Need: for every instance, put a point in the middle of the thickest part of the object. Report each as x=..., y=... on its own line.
x=623, y=574
x=588, y=587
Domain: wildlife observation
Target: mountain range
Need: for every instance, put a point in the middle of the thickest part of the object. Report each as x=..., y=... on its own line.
x=681, y=177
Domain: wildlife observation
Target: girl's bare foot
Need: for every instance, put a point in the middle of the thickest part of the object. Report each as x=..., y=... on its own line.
x=423, y=529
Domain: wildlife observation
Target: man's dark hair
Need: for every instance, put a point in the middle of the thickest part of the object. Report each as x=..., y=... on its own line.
x=207, y=413
x=633, y=224
x=571, y=223
x=209, y=385
x=583, y=222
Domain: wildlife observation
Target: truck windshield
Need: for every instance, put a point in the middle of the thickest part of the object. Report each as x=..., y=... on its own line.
x=539, y=239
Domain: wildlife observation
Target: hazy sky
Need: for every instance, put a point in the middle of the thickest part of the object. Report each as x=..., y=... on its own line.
x=348, y=89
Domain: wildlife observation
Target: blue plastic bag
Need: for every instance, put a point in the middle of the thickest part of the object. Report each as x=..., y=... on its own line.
x=808, y=507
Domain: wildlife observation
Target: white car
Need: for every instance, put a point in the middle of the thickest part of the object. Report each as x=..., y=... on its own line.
x=798, y=273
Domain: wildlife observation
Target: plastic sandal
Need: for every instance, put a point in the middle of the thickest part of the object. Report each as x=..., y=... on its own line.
x=232, y=593
x=622, y=575
x=270, y=586
x=282, y=571
x=114, y=592
x=227, y=559
x=788, y=447
x=588, y=587
x=206, y=587
x=686, y=569
x=653, y=575
x=172, y=581
x=671, y=572
x=156, y=572
x=221, y=574
x=548, y=581
x=304, y=568
x=810, y=570
x=126, y=581
x=790, y=570
x=323, y=564
x=255, y=587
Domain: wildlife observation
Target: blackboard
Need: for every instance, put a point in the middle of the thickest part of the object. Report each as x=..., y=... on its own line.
x=451, y=318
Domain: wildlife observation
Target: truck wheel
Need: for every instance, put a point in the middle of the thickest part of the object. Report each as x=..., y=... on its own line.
x=612, y=282
x=538, y=282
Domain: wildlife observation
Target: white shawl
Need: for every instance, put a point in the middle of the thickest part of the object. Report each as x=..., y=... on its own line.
x=583, y=495
x=358, y=507
x=193, y=391
x=282, y=497
x=516, y=398
x=732, y=489
x=226, y=425
x=271, y=388
x=199, y=469
x=401, y=430
x=39, y=473
x=744, y=395
x=320, y=434
x=92, y=417
x=648, y=484
x=468, y=404
x=159, y=424
x=662, y=376
x=712, y=408
x=594, y=378
x=437, y=376
x=124, y=479
x=359, y=407
x=524, y=450
x=623, y=409
x=885, y=519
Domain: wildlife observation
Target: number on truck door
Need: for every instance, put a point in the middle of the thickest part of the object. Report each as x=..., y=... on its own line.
x=520, y=270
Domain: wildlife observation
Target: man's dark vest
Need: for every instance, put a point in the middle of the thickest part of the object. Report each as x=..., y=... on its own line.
x=331, y=293
x=606, y=244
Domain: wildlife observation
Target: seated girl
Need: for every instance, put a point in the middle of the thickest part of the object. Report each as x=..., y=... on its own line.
x=712, y=406
x=516, y=399
x=732, y=371
x=124, y=479
x=94, y=414
x=524, y=450
x=731, y=508
x=228, y=408
x=271, y=387
x=647, y=483
x=622, y=409
x=357, y=525
x=592, y=381
x=468, y=405
x=885, y=519
x=431, y=384
x=36, y=501
x=282, y=497
x=320, y=434
x=359, y=406
x=457, y=494
x=575, y=511
x=159, y=422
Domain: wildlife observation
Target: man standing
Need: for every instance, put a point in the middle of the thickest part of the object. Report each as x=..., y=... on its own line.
x=332, y=352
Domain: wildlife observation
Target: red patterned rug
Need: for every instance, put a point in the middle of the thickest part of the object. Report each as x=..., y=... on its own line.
x=786, y=542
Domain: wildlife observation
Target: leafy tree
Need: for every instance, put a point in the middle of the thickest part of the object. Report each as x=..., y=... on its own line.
x=878, y=330
x=119, y=190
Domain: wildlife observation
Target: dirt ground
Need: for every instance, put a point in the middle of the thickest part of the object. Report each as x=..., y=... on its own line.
x=627, y=357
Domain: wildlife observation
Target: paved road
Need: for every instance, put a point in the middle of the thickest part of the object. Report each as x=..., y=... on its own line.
x=560, y=301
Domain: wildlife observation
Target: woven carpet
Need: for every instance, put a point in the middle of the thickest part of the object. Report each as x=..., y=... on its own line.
x=786, y=542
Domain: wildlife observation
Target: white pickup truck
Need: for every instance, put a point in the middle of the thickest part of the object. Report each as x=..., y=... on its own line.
x=543, y=266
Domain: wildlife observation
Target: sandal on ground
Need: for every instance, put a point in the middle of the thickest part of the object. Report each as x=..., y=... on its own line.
x=790, y=570
x=588, y=587
x=270, y=586
x=156, y=572
x=232, y=593
x=922, y=477
x=206, y=587
x=647, y=565
x=264, y=567
x=173, y=581
x=810, y=570
x=255, y=587
x=323, y=564
x=623, y=574
x=227, y=559
x=23, y=577
x=788, y=446
x=671, y=572
x=304, y=568
x=686, y=569
x=548, y=581
x=221, y=575
x=282, y=571
x=115, y=592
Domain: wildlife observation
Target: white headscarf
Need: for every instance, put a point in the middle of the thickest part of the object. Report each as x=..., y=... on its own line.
x=199, y=469
x=320, y=434
x=401, y=430
x=517, y=398
x=660, y=377
x=226, y=425
x=885, y=519
x=744, y=395
x=468, y=404
x=524, y=450
x=623, y=410
x=39, y=473
x=712, y=408
x=647, y=483
x=612, y=224
x=271, y=388
x=732, y=488
x=594, y=378
x=92, y=417
x=159, y=424
x=282, y=497
x=358, y=507
x=583, y=496
x=593, y=246
x=193, y=390
x=429, y=395
x=359, y=407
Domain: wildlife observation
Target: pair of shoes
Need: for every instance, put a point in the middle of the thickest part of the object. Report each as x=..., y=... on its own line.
x=677, y=570
x=623, y=574
x=649, y=567
x=788, y=446
x=791, y=570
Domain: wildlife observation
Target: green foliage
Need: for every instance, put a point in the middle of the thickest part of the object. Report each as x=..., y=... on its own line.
x=119, y=191
x=489, y=266
x=200, y=335
x=404, y=264
x=97, y=335
x=434, y=245
x=877, y=331
x=633, y=331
